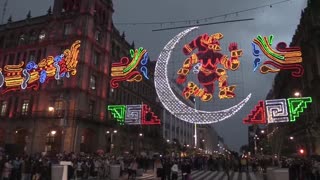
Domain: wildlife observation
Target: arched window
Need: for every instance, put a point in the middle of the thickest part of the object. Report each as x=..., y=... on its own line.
x=42, y=35
x=33, y=37
x=22, y=39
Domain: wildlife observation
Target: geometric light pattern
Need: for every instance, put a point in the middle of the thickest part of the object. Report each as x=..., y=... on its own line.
x=134, y=114
x=130, y=71
x=118, y=112
x=205, y=63
x=297, y=106
x=257, y=115
x=172, y=103
x=277, y=110
x=283, y=58
x=17, y=77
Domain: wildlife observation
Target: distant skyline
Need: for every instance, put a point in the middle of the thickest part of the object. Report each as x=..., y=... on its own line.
x=280, y=20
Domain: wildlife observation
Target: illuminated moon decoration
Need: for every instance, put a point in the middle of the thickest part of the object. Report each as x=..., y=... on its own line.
x=277, y=110
x=283, y=58
x=176, y=106
x=17, y=77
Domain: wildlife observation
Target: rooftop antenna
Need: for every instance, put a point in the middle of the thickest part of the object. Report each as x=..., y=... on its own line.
x=4, y=10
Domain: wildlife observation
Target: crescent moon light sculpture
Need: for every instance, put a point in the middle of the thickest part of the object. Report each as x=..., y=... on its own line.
x=174, y=105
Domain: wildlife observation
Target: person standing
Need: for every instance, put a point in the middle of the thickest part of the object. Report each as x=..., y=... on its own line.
x=6, y=174
x=174, y=170
x=158, y=169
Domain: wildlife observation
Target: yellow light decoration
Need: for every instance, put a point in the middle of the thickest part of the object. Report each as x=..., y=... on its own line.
x=20, y=77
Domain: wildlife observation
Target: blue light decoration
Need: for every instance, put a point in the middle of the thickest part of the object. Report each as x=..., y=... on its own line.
x=143, y=68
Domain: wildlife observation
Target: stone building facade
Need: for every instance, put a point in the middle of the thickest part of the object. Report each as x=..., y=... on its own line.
x=77, y=118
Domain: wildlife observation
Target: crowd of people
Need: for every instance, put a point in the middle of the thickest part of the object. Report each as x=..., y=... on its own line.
x=39, y=166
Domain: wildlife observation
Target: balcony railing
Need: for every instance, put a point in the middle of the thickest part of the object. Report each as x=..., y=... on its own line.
x=60, y=114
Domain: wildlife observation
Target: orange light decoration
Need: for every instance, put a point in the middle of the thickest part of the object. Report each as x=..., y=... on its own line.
x=21, y=76
x=130, y=71
x=205, y=64
x=284, y=58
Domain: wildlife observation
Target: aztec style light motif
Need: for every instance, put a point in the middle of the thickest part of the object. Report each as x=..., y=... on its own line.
x=205, y=64
x=130, y=71
x=283, y=58
x=173, y=104
x=277, y=110
x=15, y=77
x=139, y=114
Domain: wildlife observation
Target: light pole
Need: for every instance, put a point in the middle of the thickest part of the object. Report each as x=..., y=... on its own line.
x=255, y=144
x=111, y=138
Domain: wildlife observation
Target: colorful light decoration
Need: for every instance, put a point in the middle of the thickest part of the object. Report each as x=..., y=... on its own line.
x=130, y=71
x=205, y=64
x=17, y=77
x=284, y=58
x=277, y=110
x=173, y=104
x=134, y=114
x=297, y=106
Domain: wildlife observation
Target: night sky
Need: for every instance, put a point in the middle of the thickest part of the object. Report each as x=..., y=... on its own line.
x=280, y=20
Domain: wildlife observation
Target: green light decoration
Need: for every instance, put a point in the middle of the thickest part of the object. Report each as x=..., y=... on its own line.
x=271, y=37
x=264, y=43
x=297, y=106
x=118, y=112
x=136, y=55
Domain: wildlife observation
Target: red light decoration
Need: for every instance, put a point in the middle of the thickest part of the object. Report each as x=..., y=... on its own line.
x=21, y=76
x=148, y=117
x=283, y=58
x=257, y=115
x=205, y=64
x=134, y=114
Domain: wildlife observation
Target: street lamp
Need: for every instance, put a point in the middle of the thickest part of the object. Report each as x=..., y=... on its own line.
x=140, y=134
x=291, y=138
x=168, y=140
x=297, y=94
x=50, y=108
x=53, y=132
x=262, y=131
x=203, y=140
x=111, y=138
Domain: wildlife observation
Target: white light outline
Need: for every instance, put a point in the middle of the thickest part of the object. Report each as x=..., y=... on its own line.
x=277, y=110
x=172, y=103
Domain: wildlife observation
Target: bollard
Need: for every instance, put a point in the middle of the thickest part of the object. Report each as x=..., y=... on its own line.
x=65, y=165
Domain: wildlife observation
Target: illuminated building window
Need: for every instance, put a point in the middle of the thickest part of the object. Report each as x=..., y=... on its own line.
x=58, y=108
x=96, y=58
x=25, y=107
x=93, y=82
x=42, y=35
x=67, y=29
x=3, y=108
x=22, y=39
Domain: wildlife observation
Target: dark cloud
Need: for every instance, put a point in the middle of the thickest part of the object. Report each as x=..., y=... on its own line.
x=280, y=20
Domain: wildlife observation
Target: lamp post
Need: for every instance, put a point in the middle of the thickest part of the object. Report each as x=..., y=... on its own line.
x=111, y=133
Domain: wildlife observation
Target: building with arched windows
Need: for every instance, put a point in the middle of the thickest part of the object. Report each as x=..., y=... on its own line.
x=68, y=114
